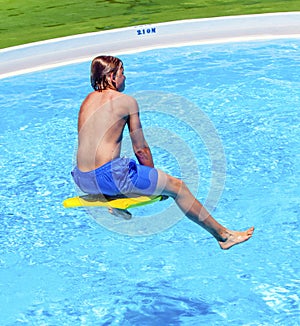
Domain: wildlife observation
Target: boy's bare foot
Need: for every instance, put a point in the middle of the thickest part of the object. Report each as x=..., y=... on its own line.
x=120, y=212
x=235, y=237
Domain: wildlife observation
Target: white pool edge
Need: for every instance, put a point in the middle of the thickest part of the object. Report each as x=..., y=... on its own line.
x=83, y=47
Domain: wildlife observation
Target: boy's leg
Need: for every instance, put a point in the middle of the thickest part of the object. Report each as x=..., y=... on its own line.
x=195, y=211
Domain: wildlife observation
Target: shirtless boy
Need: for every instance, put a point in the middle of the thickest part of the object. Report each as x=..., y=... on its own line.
x=100, y=168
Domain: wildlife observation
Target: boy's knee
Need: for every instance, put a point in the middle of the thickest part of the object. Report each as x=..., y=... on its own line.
x=175, y=185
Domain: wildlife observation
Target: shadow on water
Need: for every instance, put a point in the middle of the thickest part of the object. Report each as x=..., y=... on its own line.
x=150, y=307
x=166, y=310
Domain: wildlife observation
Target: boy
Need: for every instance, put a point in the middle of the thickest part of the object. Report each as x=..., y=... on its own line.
x=100, y=170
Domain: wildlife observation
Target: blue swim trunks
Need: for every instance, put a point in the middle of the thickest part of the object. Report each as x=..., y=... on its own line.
x=119, y=177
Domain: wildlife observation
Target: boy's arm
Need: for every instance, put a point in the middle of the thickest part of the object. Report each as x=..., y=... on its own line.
x=140, y=147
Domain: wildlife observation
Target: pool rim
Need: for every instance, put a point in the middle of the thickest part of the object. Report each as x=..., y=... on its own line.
x=78, y=48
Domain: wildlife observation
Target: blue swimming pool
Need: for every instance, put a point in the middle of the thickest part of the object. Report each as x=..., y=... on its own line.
x=72, y=267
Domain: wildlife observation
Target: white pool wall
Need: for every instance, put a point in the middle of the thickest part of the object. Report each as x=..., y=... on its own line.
x=83, y=47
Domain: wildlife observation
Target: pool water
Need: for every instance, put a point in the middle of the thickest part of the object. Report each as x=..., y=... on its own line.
x=63, y=267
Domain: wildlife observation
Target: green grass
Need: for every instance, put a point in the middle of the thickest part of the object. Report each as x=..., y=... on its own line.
x=24, y=21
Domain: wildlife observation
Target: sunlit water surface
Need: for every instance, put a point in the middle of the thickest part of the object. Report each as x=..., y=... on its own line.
x=60, y=267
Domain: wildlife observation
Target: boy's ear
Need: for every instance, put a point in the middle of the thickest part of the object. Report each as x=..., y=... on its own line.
x=112, y=76
x=112, y=80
